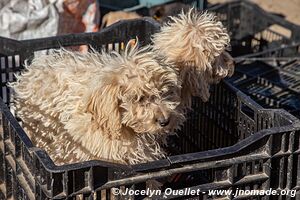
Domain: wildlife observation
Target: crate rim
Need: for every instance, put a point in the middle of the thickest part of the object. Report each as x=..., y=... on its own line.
x=60, y=40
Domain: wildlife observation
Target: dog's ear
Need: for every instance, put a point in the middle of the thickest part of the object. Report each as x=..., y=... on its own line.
x=104, y=107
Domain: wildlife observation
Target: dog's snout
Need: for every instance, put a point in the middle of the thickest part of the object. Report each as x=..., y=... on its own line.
x=163, y=121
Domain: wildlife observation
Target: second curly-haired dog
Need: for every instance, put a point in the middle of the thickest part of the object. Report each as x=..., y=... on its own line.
x=106, y=106
x=194, y=43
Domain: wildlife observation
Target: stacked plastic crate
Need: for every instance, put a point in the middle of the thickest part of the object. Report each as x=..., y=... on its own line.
x=267, y=52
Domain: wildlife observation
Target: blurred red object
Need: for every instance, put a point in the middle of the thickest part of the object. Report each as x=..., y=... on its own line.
x=79, y=16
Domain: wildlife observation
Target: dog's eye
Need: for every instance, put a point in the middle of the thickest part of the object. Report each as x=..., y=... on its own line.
x=168, y=94
x=152, y=98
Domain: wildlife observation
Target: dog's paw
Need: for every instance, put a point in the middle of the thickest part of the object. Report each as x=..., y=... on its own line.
x=222, y=67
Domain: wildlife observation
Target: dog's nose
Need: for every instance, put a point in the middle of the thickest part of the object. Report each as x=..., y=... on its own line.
x=163, y=122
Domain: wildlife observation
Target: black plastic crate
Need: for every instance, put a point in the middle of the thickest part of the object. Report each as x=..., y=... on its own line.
x=271, y=86
x=254, y=30
x=227, y=143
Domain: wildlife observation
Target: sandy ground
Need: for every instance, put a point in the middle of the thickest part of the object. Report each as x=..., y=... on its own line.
x=289, y=8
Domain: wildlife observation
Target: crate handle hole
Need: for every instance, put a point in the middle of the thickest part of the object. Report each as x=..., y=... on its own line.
x=281, y=30
x=247, y=111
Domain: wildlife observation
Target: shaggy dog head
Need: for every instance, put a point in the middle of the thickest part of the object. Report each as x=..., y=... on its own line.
x=136, y=94
x=196, y=44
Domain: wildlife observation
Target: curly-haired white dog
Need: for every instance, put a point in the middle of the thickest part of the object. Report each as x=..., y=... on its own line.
x=194, y=43
x=107, y=106
x=121, y=107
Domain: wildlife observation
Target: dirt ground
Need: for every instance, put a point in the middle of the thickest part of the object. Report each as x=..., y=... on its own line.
x=289, y=8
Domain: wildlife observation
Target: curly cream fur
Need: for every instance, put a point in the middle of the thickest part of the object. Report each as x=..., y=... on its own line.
x=98, y=105
x=194, y=43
